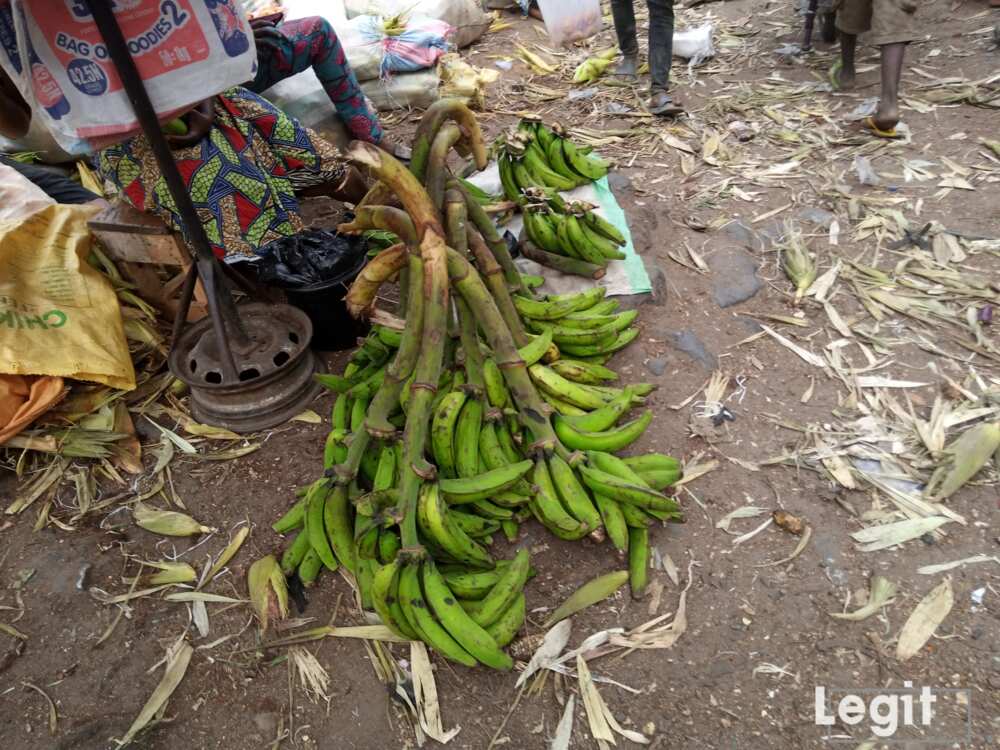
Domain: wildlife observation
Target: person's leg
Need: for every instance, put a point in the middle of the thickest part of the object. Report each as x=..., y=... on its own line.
x=661, y=43
x=312, y=42
x=624, y=16
x=887, y=115
x=853, y=17
x=892, y=28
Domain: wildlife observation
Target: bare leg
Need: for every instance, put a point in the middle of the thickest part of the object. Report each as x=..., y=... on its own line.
x=848, y=47
x=887, y=114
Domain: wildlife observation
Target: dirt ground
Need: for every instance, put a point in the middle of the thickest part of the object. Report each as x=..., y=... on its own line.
x=712, y=689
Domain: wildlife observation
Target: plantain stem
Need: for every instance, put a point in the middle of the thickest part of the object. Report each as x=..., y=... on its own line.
x=388, y=218
x=437, y=162
x=456, y=222
x=531, y=408
x=361, y=296
x=482, y=221
x=490, y=270
x=434, y=117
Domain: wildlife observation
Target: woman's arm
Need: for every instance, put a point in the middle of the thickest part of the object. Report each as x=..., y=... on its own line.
x=15, y=114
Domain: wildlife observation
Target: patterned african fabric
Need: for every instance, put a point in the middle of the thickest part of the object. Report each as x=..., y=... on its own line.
x=240, y=176
x=294, y=46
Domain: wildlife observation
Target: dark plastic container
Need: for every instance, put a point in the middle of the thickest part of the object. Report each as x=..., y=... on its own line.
x=333, y=327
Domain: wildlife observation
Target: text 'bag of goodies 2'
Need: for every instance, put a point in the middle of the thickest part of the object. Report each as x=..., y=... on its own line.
x=185, y=50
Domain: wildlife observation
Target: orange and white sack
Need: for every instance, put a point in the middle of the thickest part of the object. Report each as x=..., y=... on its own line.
x=185, y=50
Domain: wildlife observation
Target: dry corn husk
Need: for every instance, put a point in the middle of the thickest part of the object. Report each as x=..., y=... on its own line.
x=167, y=522
x=170, y=572
x=882, y=590
x=268, y=592
x=591, y=592
x=924, y=620
x=963, y=459
x=798, y=264
x=875, y=538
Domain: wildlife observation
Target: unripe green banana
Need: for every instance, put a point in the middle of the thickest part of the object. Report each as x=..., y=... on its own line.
x=524, y=178
x=385, y=584
x=554, y=383
x=443, y=432
x=601, y=225
x=364, y=579
x=653, y=462
x=388, y=336
x=582, y=321
x=496, y=389
x=510, y=529
x=625, y=492
x=418, y=612
x=505, y=628
x=385, y=472
x=604, y=418
x=614, y=520
x=389, y=545
x=566, y=243
x=537, y=164
x=635, y=518
x=573, y=495
x=638, y=561
x=558, y=306
x=475, y=584
x=604, y=307
x=582, y=242
x=505, y=592
x=470, y=422
x=340, y=527
x=294, y=553
x=618, y=467
x=435, y=521
x=549, y=509
x=660, y=479
x=470, y=635
x=602, y=244
x=535, y=349
x=540, y=230
x=309, y=568
x=624, y=339
x=609, y=441
x=564, y=408
x=292, y=519
x=556, y=160
x=485, y=485
x=315, y=504
x=583, y=372
x=585, y=165
x=474, y=525
x=494, y=457
x=510, y=449
x=511, y=190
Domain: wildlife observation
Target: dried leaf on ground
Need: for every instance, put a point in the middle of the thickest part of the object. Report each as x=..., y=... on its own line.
x=552, y=644
x=747, y=511
x=178, y=658
x=924, y=620
x=593, y=591
x=881, y=593
x=888, y=535
x=963, y=459
x=425, y=692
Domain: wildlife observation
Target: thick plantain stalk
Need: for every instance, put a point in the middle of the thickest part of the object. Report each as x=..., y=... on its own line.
x=562, y=263
x=361, y=296
x=427, y=371
x=377, y=423
x=456, y=222
x=386, y=218
x=482, y=221
x=493, y=276
x=434, y=117
x=531, y=408
x=426, y=376
x=437, y=162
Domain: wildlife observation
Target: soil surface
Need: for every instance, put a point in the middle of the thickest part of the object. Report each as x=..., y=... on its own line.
x=759, y=638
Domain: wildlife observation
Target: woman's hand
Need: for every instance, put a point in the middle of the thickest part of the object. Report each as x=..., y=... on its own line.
x=199, y=120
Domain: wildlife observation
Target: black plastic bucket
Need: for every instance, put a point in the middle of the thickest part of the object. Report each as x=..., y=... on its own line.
x=333, y=327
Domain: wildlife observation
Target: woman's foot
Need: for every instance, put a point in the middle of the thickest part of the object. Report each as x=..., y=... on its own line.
x=662, y=105
x=628, y=68
x=842, y=77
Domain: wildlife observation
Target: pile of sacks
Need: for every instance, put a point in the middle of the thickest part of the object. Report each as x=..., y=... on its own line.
x=393, y=46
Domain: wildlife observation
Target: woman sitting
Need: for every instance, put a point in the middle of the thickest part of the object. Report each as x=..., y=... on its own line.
x=242, y=160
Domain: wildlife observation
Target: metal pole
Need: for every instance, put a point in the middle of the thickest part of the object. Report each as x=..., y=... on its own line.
x=222, y=309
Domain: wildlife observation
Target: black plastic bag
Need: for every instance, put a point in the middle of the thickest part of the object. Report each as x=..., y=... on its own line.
x=314, y=256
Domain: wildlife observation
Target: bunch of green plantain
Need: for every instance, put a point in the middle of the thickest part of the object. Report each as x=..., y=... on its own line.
x=593, y=67
x=571, y=229
x=537, y=156
x=491, y=406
